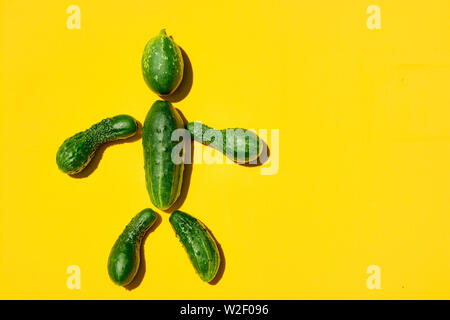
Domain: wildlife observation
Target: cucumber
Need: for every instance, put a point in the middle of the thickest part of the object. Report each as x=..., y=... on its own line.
x=163, y=177
x=77, y=151
x=124, y=258
x=243, y=147
x=199, y=244
x=162, y=64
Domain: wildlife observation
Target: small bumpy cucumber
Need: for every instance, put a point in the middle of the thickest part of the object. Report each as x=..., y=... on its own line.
x=124, y=259
x=238, y=144
x=162, y=64
x=199, y=244
x=162, y=175
x=77, y=151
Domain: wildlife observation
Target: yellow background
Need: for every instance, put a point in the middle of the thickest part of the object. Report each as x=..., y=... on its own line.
x=364, y=122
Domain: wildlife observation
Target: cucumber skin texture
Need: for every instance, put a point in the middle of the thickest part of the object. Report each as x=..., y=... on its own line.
x=124, y=258
x=77, y=151
x=162, y=176
x=248, y=142
x=162, y=64
x=199, y=244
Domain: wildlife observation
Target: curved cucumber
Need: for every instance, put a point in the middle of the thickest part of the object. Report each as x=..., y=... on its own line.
x=124, y=259
x=162, y=64
x=240, y=145
x=199, y=244
x=77, y=151
x=162, y=175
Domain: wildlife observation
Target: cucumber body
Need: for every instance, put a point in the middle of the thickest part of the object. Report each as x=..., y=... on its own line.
x=163, y=177
x=124, y=258
x=77, y=151
x=199, y=244
x=162, y=64
x=243, y=147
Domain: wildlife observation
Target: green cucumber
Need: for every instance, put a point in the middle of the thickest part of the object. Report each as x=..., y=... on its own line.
x=162, y=64
x=77, y=151
x=163, y=177
x=244, y=145
x=124, y=258
x=199, y=244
